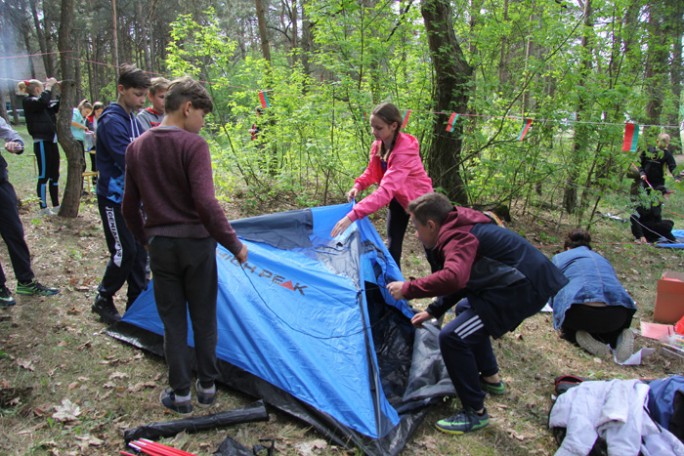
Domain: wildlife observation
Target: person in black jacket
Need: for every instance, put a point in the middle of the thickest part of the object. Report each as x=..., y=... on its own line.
x=12, y=230
x=653, y=160
x=41, y=120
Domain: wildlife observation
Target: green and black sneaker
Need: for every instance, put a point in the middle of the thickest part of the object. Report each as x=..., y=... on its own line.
x=466, y=420
x=6, y=299
x=495, y=389
x=35, y=288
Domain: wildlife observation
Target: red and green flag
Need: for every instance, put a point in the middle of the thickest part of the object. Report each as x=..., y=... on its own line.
x=629, y=143
x=452, y=122
x=525, y=129
x=406, y=118
x=264, y=99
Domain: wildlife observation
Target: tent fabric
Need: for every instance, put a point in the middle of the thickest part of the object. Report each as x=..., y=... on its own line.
x=679, y=244
x=308, y=325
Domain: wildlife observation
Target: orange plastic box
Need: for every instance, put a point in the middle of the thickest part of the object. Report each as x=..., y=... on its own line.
x=669, y=305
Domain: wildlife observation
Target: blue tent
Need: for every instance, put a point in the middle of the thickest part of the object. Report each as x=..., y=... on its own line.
x=307, y=325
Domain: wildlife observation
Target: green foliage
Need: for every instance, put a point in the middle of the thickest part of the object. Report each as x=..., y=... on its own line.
x=529, y=63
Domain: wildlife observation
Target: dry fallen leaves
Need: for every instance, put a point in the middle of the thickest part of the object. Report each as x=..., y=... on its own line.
x=67, y=411
x=118, y=375
x=141, y=386
x=26, y=364
x=309, y=448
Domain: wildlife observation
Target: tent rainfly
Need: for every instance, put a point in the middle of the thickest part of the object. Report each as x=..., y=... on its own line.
x=308, y=326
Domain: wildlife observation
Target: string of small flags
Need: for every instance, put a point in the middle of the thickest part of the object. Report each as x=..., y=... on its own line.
x=629, y=144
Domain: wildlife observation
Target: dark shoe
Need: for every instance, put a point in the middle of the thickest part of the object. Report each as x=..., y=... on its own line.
x=466, y=420
x=35, y=288
x=168, y=400
x=205, y=396
x=495, y=389
x=6, y=299
x=106, y=309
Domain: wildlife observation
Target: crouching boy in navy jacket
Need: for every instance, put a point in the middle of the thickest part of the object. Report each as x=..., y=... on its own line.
x=169, y=177
x=499, y=278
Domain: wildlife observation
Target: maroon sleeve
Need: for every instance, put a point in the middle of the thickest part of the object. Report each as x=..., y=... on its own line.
x=208, y=208
x=459, y=255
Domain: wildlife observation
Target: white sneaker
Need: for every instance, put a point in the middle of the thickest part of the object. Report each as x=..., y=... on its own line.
x=593, y=346
x=624, y=348
x=55, y=210
x=46, y=211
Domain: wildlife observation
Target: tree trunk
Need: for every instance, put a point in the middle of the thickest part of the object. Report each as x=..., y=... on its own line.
x=115, y=35
x=43, y=42
x=263, y=31
x=306, y=42
x=72, y=149
x=656, y=62
x=581, y=129
x=504, y=52
x=452, y=76
x=676, y=73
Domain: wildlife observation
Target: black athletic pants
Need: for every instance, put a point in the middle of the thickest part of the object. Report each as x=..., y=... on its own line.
x=397, y=222
x=603, y=323
x=127, y=257
x=185, y=280
x=466, y=348
x=47, y=158
x=12, y=232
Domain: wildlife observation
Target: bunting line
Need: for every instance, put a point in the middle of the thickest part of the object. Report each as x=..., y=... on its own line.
x=486, y=116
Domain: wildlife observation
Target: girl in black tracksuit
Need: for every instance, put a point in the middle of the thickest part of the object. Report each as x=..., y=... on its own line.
x=40, y=111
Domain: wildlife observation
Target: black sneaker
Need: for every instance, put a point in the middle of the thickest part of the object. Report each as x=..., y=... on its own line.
x=466, y=420
x=35, y=288
x=205, y=396
x=6, y=299
x=106, y=309
x=168, y=400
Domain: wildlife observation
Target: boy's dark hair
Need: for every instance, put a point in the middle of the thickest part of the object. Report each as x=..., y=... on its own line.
x=187, y=89
x=132, y=77
x=431, y=206
x=578, y=238
x=158, y=84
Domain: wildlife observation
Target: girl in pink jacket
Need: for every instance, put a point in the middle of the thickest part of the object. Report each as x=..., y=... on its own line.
x=395, y=166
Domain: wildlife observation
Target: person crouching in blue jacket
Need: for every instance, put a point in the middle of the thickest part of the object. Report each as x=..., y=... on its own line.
x=498, y=280
x=593, y=310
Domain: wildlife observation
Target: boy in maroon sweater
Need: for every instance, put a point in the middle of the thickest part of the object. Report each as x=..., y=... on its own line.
x=169, y=178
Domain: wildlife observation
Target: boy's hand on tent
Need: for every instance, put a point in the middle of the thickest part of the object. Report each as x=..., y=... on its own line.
x=419, y=318
x=340, y=227
x=242, y=254
x=395, y=289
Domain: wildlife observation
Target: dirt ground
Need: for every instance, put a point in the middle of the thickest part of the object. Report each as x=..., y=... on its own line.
x=66, y=388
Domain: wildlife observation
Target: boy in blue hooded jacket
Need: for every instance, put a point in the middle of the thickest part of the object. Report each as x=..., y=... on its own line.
x=117, y=128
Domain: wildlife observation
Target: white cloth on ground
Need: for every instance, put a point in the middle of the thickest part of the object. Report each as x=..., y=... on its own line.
x=615, y=410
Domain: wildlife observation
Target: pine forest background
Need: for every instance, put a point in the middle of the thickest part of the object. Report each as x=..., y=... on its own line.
x=579, y=69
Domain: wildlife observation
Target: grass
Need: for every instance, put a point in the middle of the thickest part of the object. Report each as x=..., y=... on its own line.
x=53, y=349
